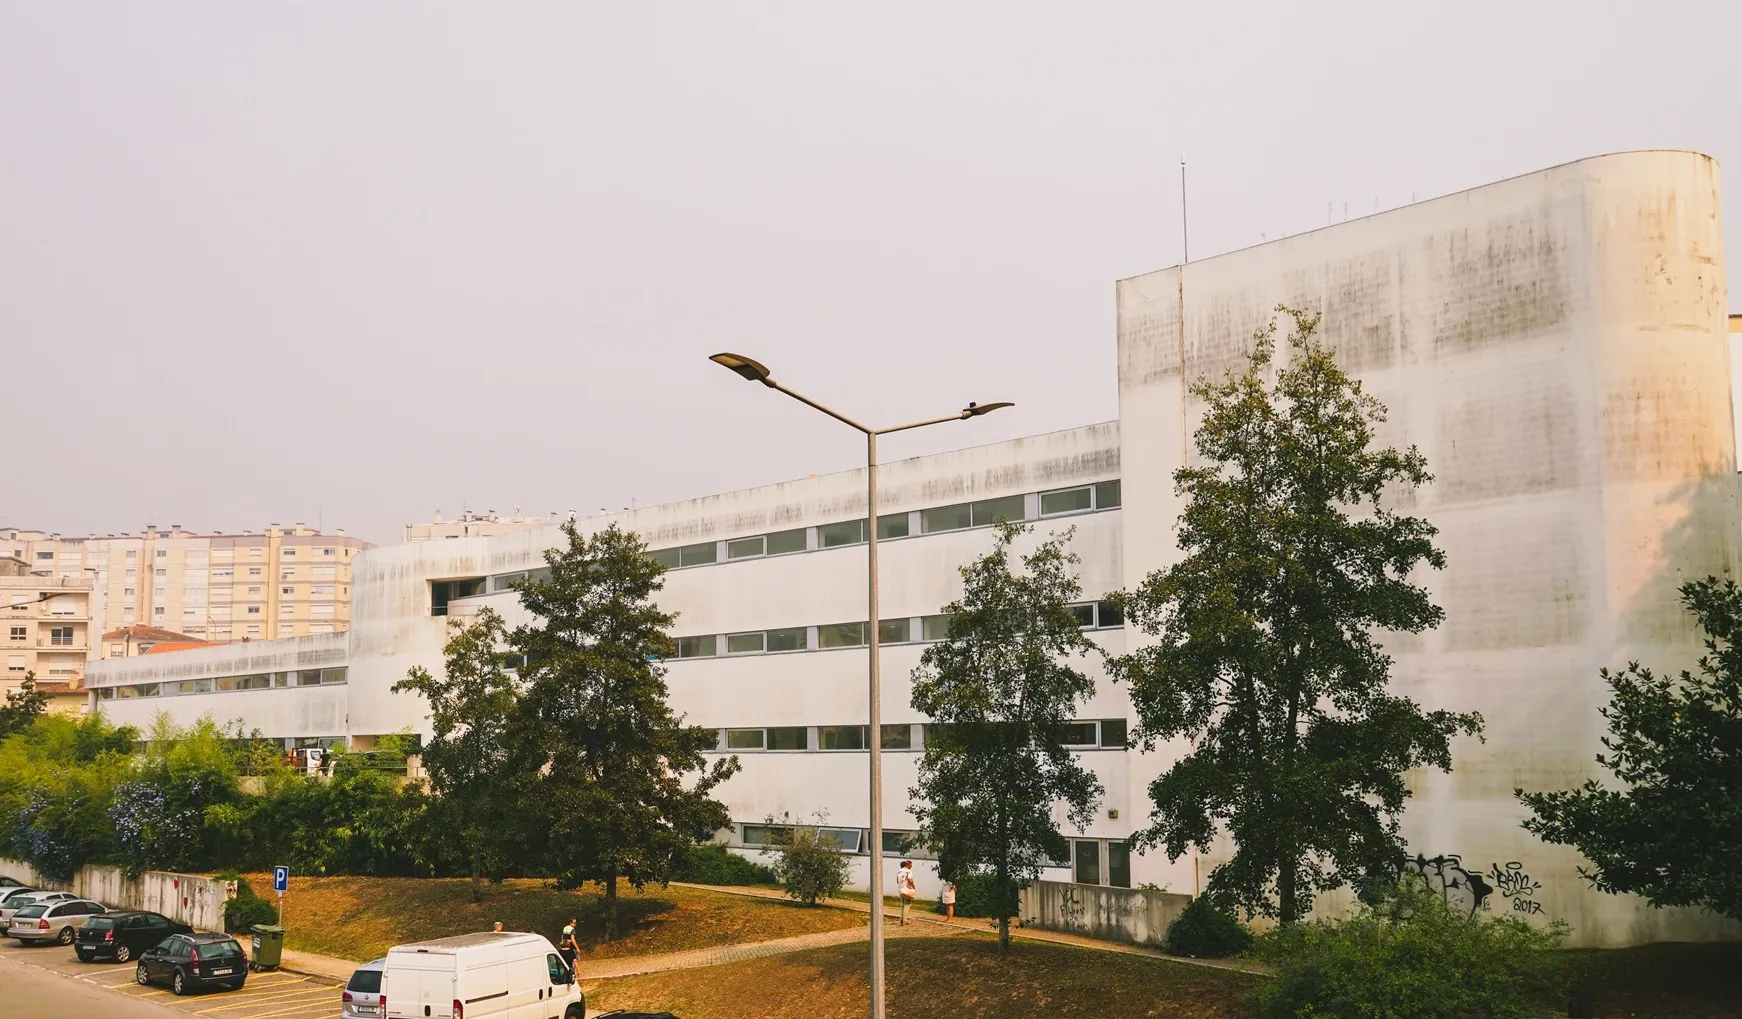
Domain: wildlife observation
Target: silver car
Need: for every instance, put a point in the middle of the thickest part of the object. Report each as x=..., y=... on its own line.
x=60, y=921
x=361, y=998
x=18, y=900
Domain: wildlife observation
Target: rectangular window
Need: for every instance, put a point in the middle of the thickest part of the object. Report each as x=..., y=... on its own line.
x=946, y=518
x=160, y=573
x=934, y=627
x=253, y=610
x=322, y=572
x=697, y=647
x=1085, y=614
x=898, y=843
x=841, y=635
x=325, y=551
x=132, y=553
x=765, y=835
x=1088, y=870
x=1078, y=734
x=254, y=590
x=15, y=663
x=202, y=686
x=1068, y=500
x=850, y=532
x=288, y=573
x=254, y=571
x=893, y=525
x=117, y=649
x=1113, y=733
x=308, y=677
x=226, y=684
x=743, y=548
x=290, y=553
x=990, y=511
x=744, y=643
x=254, y=628
x=255, y=552
x=840, y=737
x=844, y=839
x=337, y=675
x=898, y=737
x=162, y=554
x=666, y=557
x=744, y=739
x=444, y=591
x=789, y=737
x=698, y=555
x=783, y=542
x=1118, y=864
x=224, y=574
x=1108, y=615
x=18, y=633
x=287, y=591
x=892, y=631
x=60, y=635
x=1107, y=495
x=45, y=555
x=789, y=639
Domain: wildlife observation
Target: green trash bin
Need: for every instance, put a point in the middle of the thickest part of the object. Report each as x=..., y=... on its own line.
x=268, y=946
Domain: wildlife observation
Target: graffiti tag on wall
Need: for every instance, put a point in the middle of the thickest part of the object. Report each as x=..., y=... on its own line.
x=1517, y=887
x=1447, y=877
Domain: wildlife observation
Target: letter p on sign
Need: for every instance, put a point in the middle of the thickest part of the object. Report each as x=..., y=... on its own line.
x=280, y=879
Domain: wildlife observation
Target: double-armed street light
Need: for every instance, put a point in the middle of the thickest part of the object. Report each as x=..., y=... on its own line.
x=755, y=371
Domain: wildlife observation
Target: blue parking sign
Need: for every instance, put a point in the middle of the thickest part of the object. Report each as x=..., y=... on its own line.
x=280, y=879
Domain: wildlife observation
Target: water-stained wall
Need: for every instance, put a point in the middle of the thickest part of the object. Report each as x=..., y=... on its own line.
x=1556, y=345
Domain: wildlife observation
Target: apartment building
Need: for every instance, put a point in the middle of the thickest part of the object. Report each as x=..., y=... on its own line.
x=48, y=631
x=280, y=582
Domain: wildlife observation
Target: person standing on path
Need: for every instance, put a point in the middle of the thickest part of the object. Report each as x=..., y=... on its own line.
x=905, y=887
x=949, y=901
x=566, y=947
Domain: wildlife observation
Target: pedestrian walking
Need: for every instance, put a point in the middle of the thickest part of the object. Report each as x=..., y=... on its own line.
x=566, y=947
x=905, y=888
x=949, y=901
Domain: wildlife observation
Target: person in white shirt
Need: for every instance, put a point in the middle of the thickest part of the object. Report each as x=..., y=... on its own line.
x=949, y=901
x=905, y=888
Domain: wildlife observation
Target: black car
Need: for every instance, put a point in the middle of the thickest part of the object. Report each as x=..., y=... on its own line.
x=124, y=934
x=190, y=961
x=10, y=882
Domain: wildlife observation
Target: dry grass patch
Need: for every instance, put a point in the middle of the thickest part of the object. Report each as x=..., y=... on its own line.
x=1686, y=981
x=960, y=977
x=359, y=918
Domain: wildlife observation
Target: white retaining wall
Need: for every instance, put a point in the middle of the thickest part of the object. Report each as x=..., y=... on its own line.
x=190, y=898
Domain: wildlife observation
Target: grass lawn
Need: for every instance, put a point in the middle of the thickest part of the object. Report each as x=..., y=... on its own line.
x=1686, y=981
x=359, y=918
x=959, y=977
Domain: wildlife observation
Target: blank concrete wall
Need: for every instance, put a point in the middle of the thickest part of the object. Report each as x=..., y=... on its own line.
x=190, y=898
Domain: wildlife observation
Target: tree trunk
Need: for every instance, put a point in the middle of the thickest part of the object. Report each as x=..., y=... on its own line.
x=1287, y=866
x=610, y=908
x=477, y=876
x=1003, y=908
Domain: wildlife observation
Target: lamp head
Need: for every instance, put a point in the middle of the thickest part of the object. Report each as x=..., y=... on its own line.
x=974, y=410
x=755, y=371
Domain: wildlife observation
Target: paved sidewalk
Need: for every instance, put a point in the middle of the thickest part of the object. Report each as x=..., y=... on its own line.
x=634, y=965
x=309, y=964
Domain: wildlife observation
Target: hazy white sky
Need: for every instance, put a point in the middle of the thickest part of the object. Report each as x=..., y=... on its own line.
x=353, y=262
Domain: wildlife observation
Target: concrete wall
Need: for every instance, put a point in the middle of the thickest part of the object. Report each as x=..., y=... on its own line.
x=1555, y=344
x=1114, y=914
x=190, y=898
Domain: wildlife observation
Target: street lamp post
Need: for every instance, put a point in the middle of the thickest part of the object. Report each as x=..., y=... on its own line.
x=756, y=372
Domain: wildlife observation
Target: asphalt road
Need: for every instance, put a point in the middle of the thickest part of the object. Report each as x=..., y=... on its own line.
x=50, y=981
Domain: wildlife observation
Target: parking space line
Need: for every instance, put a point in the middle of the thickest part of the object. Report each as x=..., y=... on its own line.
x=285, y=1012
x=269, y=996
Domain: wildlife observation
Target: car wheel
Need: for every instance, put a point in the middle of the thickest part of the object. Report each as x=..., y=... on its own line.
x=123, y=953
x=575, y=1012
x=83, y=955
x=237, y=986
x=66, y=935
x=140, y=975
x=179, y=985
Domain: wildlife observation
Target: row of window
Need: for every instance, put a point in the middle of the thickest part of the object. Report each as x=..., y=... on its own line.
x=226, y=684
x=1090, y=861
x=956, y=517
x=1082, y=734
x=1090, y=615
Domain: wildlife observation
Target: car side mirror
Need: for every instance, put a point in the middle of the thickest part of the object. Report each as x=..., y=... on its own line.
x=569, y=977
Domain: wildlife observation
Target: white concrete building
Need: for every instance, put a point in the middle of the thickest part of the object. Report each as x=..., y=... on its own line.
x=1555, y=343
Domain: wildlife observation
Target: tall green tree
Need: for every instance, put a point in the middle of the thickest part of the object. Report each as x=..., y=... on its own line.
x=1265, y=656
x=472, y=756
x=614, y=758
x=1674, y=832
x=1001, y=687
x=23, y=706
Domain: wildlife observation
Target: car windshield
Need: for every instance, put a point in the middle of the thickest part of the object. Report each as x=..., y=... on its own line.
x=30, y=912
x=368, y=981
x=218, y=950
x=100, y=923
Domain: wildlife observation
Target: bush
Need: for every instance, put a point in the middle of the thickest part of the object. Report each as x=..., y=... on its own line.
x=810, y=866
x=717, y=865
x=1204, y=932
x=1411, y=954
x=247, y=909
x=976, y=895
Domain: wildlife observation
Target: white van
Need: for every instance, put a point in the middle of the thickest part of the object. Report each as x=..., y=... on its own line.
x=502, y=976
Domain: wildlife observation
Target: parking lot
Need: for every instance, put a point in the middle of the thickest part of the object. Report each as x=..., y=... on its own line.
x=266, y=996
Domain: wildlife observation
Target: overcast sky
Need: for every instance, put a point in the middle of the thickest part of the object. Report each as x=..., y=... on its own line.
x=354, y=262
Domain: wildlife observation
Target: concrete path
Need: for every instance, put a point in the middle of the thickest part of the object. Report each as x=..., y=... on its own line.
x=634, y=965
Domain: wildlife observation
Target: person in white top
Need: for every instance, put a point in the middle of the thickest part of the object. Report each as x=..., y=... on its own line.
x=905, y=887
x=949, y=901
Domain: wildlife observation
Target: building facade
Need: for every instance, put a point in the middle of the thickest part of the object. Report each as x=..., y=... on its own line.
x=48, y=632
x=477, y=525
x=1555, y=344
